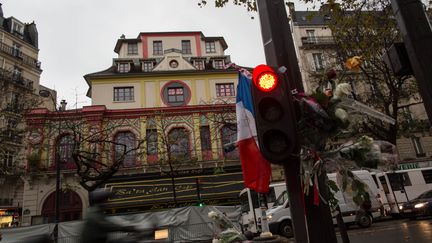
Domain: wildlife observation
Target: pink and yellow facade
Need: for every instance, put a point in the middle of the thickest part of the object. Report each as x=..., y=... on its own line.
x=160, y=85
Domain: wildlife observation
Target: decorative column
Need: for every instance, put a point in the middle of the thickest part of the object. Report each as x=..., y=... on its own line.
x=196, y=139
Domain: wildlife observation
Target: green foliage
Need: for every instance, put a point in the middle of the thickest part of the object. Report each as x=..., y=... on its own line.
x=408, y=124
x=250, y=5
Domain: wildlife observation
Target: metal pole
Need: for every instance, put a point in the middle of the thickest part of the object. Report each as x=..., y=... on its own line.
x=57, y=164
x=280, y=51
x=265, y=231
x=57, y=203
x=310, y=223
x=296, y=201
x=198, y=191
x=342, y=226
x=417, y=36
x=57, y=191
x=278, y=41
x=318, y=217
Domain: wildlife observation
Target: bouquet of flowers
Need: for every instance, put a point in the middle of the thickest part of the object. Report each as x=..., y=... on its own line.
x=330, y=112
x=229, y=232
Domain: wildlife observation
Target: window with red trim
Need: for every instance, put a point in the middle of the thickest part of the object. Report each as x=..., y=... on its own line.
x=226, y=89
x=178, y=143
x=175, y=94
x=65, y=149
x=125, y=144
x=229, y=136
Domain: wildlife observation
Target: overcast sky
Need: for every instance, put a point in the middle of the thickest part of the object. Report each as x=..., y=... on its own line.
x=77, y=37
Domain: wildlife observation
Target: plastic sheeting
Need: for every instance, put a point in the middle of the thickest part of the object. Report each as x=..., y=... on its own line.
x=184, y=224
x=19, y=234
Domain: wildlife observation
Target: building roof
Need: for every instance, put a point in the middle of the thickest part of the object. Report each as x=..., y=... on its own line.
x=175, y=33
x=123, y=40
x=217, y=38
x=30, y=33
x=112, y=72
x=307, y=18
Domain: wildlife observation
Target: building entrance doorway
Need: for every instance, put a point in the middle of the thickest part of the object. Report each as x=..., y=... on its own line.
x=70, y=207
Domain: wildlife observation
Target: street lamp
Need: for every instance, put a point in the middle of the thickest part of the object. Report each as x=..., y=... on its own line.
x=62, y=107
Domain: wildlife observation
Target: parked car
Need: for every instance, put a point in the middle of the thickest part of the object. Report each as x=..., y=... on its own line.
x=420, y=206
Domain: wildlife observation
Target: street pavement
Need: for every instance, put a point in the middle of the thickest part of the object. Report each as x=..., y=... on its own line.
x=392, y=231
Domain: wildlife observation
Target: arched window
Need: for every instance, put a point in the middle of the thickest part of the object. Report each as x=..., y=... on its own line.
x=178, y=143
x=70, y=207
x=229, y=137
x=125, y=146
x=65, y=148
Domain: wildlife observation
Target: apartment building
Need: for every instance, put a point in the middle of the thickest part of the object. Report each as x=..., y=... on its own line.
x=20, y=72
x=317, y=53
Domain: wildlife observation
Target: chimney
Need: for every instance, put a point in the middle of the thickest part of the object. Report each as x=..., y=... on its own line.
x=1, y=10
x=32, y=33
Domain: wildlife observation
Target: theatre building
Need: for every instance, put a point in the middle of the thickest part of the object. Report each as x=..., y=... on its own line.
x=168, y=99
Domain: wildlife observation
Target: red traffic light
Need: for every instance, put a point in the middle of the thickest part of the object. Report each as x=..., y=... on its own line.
x=265, y=78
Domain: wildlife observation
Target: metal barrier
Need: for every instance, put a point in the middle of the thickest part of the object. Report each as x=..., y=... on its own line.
x=193, y=232
x=69, y=239
x=201, y=232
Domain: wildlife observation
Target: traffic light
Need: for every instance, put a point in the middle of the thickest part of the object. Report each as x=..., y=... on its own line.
x=274, y=114
x=200, y=204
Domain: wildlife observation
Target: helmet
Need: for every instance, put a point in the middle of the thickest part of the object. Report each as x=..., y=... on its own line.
x=99, y=196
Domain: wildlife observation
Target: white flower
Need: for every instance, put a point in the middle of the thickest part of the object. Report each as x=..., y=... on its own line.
x=341, y=114
x=213, y=215
x=343, y=89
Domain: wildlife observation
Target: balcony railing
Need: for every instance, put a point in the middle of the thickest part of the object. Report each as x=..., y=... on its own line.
x=28, y=60
x=11, y=137
x=10, y=76
x=311, y=41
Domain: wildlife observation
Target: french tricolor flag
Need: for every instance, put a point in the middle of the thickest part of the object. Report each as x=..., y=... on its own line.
x=256, y=170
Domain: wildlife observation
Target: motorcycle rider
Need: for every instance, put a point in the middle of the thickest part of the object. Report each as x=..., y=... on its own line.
x=96, y=227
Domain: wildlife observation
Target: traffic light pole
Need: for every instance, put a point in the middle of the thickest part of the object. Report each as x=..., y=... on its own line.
x=279, y=51
x=296, y=201
x=417, y=37
x=310, y=223
x=277, y=39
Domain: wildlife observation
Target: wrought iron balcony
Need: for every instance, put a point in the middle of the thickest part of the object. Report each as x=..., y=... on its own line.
x=28, y=60
x=318, y=41
x=10, y=76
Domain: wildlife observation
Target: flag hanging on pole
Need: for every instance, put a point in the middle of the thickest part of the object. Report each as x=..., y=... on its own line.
x=256, y=169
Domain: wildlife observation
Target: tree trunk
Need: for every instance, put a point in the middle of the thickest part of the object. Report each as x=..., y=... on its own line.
x=173, y=183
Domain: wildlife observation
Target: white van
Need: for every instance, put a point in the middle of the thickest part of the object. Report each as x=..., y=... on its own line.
x=250, y=210
x=401, y=186
x=279, y=216
x=382, y=198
